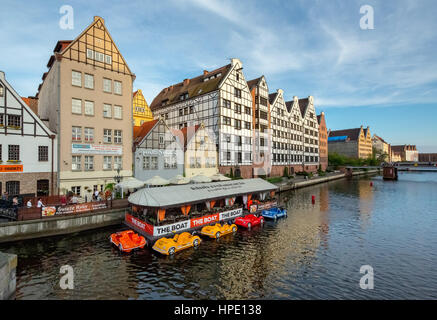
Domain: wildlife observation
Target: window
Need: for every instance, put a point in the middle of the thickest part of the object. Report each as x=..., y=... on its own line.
x=150, y=163
x=198, y=162
x=117, y=136
x=239, y=140
x=107, y=163
x=185, y=111
x=42, y=187
x=76, y=78
x=228, y=156
x=117, y=162
x=247, y=125
x=161, y=139
x=76, y=106
x=183, y=96
x=75, y=190
x=43, y=153
x=118, y=112
x=13, y=152
x=226, y=121
x=13, y=187
x=107, y=85
x=89, y=81
x=14, y=121
x=107, y=110
x=89, y=108
x=247, y=110
x=89, y=162
x=166, y=116
x=117, y=87
x=263, y=101
x=181, y=112
x=237, y=92
x=89, y=134
x=226, y=103
x=192, y=162
x=237, y=108
x=76, y=162
x=2, y=91
x=1, y=121
x=170, y=162
x=239, y=157
x=76, y=133
x=107, y=135
x=191, y=109
x=237, y=124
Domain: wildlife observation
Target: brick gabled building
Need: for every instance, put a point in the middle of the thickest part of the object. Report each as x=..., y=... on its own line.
x=323, y=141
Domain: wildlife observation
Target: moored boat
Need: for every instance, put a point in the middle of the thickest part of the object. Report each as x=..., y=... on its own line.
x=218, y=230
x=274, y=213
x=126, y=241
x=170, y=246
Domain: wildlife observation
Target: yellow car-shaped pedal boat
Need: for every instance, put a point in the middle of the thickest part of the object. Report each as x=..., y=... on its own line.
x=170, y=246
x=218, y=230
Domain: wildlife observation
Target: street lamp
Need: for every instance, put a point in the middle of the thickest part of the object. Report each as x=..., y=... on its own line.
x=117, y=177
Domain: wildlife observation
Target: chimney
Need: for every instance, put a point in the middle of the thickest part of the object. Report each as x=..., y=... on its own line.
x=186, y=82
x=205, y=72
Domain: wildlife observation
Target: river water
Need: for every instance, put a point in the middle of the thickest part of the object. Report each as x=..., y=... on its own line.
x=315, y=253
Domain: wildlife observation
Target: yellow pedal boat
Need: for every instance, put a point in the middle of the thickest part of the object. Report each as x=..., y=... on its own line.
x=170, y=246
x=218, y=230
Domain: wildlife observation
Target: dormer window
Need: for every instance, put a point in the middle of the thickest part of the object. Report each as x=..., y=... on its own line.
x=164, y=102
x=183, y=96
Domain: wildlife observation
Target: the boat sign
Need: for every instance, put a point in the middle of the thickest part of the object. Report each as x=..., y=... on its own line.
x=169, y=228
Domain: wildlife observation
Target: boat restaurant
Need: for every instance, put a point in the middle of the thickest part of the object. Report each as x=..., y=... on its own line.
x=157, y=212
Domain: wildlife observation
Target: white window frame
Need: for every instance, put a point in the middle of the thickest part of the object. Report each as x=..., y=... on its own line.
x=107, y=135
x=75, y=109
x=89, y=108
x=89, y=134
x=76, y=78
x=118, y=112
x=76, y=163
x=76, y=133
x=89, y=163
x=107, y=162
x=118, y=162
x=107, y=110
x=107, y=81
x=88, y=81
x=118, y=136
x=118, y=87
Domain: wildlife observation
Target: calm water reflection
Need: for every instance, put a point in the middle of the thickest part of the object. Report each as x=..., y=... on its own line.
x=316, y=253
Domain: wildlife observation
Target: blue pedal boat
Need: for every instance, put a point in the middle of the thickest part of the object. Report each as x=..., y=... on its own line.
x=274, y=213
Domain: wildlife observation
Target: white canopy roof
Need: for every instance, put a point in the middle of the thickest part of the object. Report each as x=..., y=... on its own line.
x=219, y=177
x=191, y=193
x=131, y=183
x=157, y=181
x=179, y=179
x=200, y=178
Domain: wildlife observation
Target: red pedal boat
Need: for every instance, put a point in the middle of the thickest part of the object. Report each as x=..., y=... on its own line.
x=249, y=221
x=127, y=240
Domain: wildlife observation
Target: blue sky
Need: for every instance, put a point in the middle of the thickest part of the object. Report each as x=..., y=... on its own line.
x=385, y=78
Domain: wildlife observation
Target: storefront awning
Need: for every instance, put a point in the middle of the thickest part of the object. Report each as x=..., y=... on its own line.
x=173, y=196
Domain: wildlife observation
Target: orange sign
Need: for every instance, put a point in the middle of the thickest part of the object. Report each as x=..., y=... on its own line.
x=11, y=168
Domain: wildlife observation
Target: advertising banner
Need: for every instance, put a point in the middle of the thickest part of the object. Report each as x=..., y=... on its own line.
x=11, y=168
x=72, y=208
x=147, y=228
x=78, y=148
x=231, y=214
x=197, y=222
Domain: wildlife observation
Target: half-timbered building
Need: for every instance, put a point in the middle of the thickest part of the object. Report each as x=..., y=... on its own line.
x=28, y=163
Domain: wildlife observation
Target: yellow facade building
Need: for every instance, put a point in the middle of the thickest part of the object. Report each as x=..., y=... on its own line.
x=141, y=111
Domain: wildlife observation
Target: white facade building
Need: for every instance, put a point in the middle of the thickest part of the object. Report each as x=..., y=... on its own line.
x=27, y=147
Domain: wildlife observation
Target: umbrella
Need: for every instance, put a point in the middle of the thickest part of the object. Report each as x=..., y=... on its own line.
x=157, y=181
x=131, y=183
x=200, y=178
x=219, y=177
x=179, y=180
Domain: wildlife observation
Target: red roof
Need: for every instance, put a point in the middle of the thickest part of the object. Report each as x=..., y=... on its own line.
x=142, y=131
